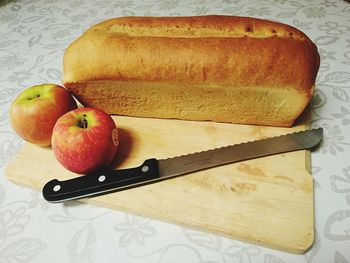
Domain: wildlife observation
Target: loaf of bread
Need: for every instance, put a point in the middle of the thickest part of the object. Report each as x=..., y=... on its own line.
x=216, y=68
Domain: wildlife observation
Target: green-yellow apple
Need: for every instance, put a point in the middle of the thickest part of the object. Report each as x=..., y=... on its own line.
x=35, y=111
x=85, y=140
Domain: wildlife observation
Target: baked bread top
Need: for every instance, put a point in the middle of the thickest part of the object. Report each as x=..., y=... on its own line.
x=225, y=51
x=197, y=26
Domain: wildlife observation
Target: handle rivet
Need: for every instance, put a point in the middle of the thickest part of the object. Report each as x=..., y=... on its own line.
x=145, y=169
x=56, y=188
x=101, y=178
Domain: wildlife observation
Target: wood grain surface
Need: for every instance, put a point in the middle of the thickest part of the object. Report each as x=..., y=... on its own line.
x=266, y=201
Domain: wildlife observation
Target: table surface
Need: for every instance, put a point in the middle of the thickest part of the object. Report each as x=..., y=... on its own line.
x=33, y=36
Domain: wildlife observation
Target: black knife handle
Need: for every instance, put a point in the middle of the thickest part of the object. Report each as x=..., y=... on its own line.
x=101, y=182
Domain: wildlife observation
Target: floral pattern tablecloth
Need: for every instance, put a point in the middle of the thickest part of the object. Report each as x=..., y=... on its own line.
x=33, y=36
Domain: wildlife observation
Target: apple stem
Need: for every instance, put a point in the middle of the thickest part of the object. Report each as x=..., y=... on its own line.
x=84, y=122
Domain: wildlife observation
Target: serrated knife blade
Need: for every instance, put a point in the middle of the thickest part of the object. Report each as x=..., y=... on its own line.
x=153, y=170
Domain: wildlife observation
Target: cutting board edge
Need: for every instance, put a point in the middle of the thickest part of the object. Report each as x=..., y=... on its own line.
x=278, y=246
x=16, y=182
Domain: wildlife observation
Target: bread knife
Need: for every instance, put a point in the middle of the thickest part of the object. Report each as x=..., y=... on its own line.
x=153, y=170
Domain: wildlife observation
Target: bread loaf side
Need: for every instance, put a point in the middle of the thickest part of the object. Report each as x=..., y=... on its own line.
x=217, y=68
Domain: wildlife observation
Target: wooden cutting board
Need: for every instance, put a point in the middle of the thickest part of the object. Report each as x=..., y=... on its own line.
x=266, y=201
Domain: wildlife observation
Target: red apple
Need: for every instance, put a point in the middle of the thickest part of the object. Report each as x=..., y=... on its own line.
x=85, y=140
x=35, y=111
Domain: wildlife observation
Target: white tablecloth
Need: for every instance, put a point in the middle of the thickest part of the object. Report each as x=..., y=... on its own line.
x=33, y=36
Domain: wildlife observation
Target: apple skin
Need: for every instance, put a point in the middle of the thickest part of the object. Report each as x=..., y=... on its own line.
x=84, y=150
x=35, y=111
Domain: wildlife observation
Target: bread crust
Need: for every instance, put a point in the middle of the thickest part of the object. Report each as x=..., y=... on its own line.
x=198, y=55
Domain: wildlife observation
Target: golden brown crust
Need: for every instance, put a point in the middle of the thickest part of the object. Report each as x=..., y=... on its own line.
x=198, y=26
x=199, y=54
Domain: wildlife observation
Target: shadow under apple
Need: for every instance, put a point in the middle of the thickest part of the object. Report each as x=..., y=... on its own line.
x=125, y=148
